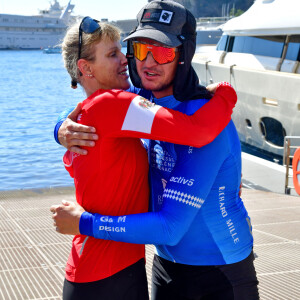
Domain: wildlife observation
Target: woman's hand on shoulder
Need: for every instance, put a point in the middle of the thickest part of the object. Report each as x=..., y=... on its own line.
x=212, y=87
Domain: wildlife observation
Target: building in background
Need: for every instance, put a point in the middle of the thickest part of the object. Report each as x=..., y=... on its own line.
x=216, y=8
x=189, y=4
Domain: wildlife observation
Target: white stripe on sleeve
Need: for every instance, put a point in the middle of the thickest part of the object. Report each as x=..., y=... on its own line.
x=140, y=115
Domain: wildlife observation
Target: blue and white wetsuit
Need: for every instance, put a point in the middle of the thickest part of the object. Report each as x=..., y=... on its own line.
x=197, y=216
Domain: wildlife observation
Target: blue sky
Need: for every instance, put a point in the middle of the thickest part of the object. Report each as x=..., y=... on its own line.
x=110, y=9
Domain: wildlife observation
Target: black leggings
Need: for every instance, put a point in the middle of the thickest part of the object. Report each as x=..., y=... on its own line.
x=185, y=282
x=128, y=284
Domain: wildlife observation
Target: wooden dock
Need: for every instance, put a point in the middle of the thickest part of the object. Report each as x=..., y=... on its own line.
x=33, y=255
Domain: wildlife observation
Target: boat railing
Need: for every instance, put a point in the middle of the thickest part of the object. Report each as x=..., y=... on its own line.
x=212, y=21
x=291, y=144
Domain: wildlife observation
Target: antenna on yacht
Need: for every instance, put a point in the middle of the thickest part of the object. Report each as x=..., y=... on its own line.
x=67, y=11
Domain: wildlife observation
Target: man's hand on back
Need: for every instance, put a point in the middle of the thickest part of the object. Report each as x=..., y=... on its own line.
x=72, y=135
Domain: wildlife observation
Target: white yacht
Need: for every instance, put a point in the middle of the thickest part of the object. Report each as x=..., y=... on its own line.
x=259, y=54
x=35, y=32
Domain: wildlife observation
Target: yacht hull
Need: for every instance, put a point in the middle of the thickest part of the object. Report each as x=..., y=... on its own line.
x=20, y=32
x=268, y=106
x=29, y=41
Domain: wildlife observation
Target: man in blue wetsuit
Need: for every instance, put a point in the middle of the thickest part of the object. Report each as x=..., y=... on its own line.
x=198, y=222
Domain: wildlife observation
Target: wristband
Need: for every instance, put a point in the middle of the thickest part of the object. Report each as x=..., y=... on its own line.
x=86, y=224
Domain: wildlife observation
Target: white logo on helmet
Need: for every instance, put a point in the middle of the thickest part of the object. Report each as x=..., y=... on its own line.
x=166, y=17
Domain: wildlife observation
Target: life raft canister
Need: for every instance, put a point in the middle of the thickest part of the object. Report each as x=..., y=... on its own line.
x=296, y=171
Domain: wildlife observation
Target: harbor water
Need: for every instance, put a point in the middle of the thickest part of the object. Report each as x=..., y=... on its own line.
x=35, y=88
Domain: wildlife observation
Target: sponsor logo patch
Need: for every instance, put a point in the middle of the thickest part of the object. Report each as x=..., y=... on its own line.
x=145, y=103
x=164, y=182
x=157, y=16
x=166, y=17
x=182, y=180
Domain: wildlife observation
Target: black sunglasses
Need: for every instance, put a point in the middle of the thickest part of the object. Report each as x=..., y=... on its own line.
x=87, y=25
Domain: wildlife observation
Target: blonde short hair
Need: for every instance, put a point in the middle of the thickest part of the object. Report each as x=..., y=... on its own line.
x=70, y=46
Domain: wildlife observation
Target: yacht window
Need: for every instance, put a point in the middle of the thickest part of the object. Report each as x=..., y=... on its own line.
x=230, y=43
x=293, y=48
x=266, y=46
x=273, y=131
x=222, y=43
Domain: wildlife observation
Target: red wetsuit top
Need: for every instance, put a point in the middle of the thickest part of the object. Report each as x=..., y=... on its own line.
x=113, y=178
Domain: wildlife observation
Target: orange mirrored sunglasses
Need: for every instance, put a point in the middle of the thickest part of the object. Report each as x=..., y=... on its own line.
x=161, y=55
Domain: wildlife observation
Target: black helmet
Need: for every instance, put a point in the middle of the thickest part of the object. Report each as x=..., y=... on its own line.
x=171, y=24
